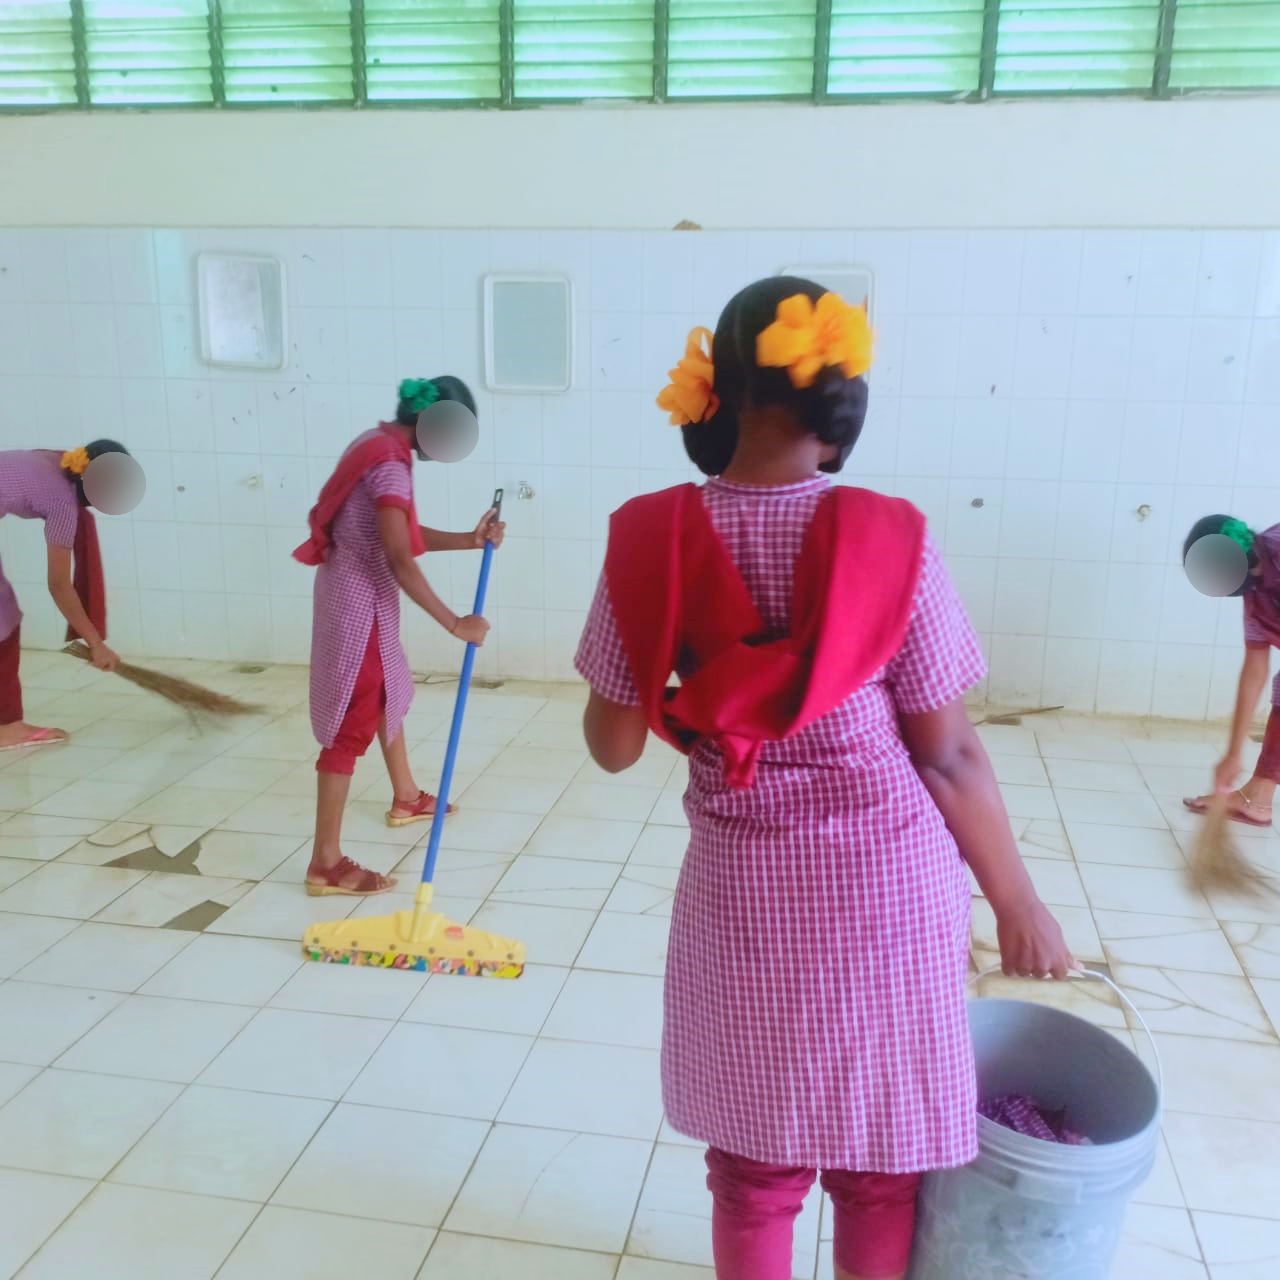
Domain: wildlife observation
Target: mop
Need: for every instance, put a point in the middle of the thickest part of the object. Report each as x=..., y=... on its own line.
x=422, y=939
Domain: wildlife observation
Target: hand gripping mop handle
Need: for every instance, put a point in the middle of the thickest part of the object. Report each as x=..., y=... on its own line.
x=459, y=710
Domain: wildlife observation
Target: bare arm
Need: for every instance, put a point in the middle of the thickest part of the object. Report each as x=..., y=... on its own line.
x=438, y=540
x=62, y=589
x=393, y=528
x=955, y=770
x=615, y=734
x=1253, y=679
x=488, y=530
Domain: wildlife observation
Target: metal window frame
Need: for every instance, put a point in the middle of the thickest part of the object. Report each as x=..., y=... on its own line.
x=508, y=99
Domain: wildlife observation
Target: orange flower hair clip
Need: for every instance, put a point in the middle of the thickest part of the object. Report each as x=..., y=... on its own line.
x=808, y=337
x=689, y=396
x=76, y=461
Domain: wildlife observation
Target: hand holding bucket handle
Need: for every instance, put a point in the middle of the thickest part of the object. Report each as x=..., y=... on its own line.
x=1095, y=976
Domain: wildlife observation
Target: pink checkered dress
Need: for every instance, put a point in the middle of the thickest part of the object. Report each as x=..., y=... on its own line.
x=354, y=586
x=815, y=992
x=33, y=486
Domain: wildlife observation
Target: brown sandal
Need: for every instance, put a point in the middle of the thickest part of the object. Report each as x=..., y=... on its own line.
x=1241, y=809
x=323, y=882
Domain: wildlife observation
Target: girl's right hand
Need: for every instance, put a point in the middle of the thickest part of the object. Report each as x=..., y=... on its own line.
x=1226, y=774
x=1031, y=943
x=103, y=658
x=472, y=629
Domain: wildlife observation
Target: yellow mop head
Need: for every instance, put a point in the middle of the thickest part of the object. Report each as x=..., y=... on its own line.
x=417, y=939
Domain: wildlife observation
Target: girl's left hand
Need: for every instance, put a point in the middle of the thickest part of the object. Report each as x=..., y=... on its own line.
x=1031, y=943
x=489, y=530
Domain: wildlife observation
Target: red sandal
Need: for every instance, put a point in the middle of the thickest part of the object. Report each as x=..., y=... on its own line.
x=424, y=807
x=324, y=881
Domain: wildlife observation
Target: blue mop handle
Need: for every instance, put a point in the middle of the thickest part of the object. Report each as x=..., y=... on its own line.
x=455, y=730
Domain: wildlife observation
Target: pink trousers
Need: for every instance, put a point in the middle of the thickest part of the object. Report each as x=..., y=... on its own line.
x=756, y=1205
x=1269, y=761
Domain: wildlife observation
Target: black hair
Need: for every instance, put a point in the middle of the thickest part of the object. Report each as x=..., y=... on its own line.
x=833, y=408
x=449, y=388
x=1207, y=525
x=95, y=450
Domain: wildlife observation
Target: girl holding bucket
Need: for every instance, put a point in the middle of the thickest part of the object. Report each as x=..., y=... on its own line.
x=815, y=992
x=1252, y=803
x=42, y=484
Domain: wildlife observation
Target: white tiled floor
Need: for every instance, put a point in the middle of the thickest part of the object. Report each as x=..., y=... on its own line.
x=183, y=1105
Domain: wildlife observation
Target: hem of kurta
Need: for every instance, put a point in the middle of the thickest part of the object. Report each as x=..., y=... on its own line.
x=811, y=1158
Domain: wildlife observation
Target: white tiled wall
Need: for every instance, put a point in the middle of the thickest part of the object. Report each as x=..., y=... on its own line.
x=1034, y=391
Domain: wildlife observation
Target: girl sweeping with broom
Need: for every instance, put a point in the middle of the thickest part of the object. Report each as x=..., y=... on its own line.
x=1252, y=803
x=42, y=484
x=365, y=540
x=815, y=995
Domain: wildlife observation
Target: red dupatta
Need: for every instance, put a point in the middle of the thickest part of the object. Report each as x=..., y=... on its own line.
x=389, y=445
x=680, y=602
x=87, y=575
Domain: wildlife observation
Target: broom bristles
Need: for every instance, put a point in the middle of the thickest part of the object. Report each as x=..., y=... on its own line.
x=1217, y=865
x=183, y=693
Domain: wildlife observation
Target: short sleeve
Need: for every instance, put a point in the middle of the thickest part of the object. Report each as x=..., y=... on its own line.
x=1256, y=634
x=391, y=484
x=602, y=659
x=61, y=520
x=940, y=658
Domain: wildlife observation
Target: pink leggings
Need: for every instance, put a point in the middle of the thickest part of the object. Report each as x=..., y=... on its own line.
x=756, y=1205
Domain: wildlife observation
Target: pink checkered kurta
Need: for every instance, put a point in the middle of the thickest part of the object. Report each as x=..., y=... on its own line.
x=33, y=486
x=354, y=586
x=815, y=991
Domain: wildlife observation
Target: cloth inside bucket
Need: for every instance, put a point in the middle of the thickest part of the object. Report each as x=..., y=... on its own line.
x=1032, y=1119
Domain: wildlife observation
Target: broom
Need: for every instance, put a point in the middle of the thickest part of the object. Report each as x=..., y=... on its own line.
x=419, y=938
x=192, y=697
x=1216, y=864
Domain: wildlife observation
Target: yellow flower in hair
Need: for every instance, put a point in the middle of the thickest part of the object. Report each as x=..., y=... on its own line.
x=76, y=461
x=808, y=337
x=689, y=397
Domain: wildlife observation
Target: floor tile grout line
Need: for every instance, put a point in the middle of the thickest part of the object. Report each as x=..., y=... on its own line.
x=62, y=1222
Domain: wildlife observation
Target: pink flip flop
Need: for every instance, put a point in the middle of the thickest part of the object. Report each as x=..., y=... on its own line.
x=40, y=738
x=1200, y=805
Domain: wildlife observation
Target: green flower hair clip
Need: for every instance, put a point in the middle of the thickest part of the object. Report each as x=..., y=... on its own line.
x=418, y=393
x=1239, y=532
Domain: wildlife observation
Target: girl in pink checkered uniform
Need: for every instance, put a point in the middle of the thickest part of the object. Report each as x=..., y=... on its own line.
x=819, y=949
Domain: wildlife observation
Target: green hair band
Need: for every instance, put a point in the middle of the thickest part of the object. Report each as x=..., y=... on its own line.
x=1238, y=532
x=418, y=393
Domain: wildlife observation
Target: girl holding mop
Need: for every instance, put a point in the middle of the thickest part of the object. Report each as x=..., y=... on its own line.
x=1252, y=803
x=365, y=539
x=815, y=991
x=42, y=484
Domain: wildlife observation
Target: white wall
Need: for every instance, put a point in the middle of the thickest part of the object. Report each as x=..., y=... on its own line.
x=1091, y=163
x=1064, y=378
x=1066, y=374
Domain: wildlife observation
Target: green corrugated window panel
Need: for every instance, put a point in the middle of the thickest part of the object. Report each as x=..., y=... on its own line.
x=37, y=55
x=1098, y=46
x=591, y=49
x=148, y=54
x=726, y=49
x=287, y=51
x=433, y=50
x=887, y=47
x=1226, y=44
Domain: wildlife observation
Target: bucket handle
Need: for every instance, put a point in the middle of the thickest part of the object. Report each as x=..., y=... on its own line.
x=1124, y=999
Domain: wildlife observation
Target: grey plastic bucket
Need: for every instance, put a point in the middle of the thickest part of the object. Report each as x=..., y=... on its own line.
x=1032, y=1210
